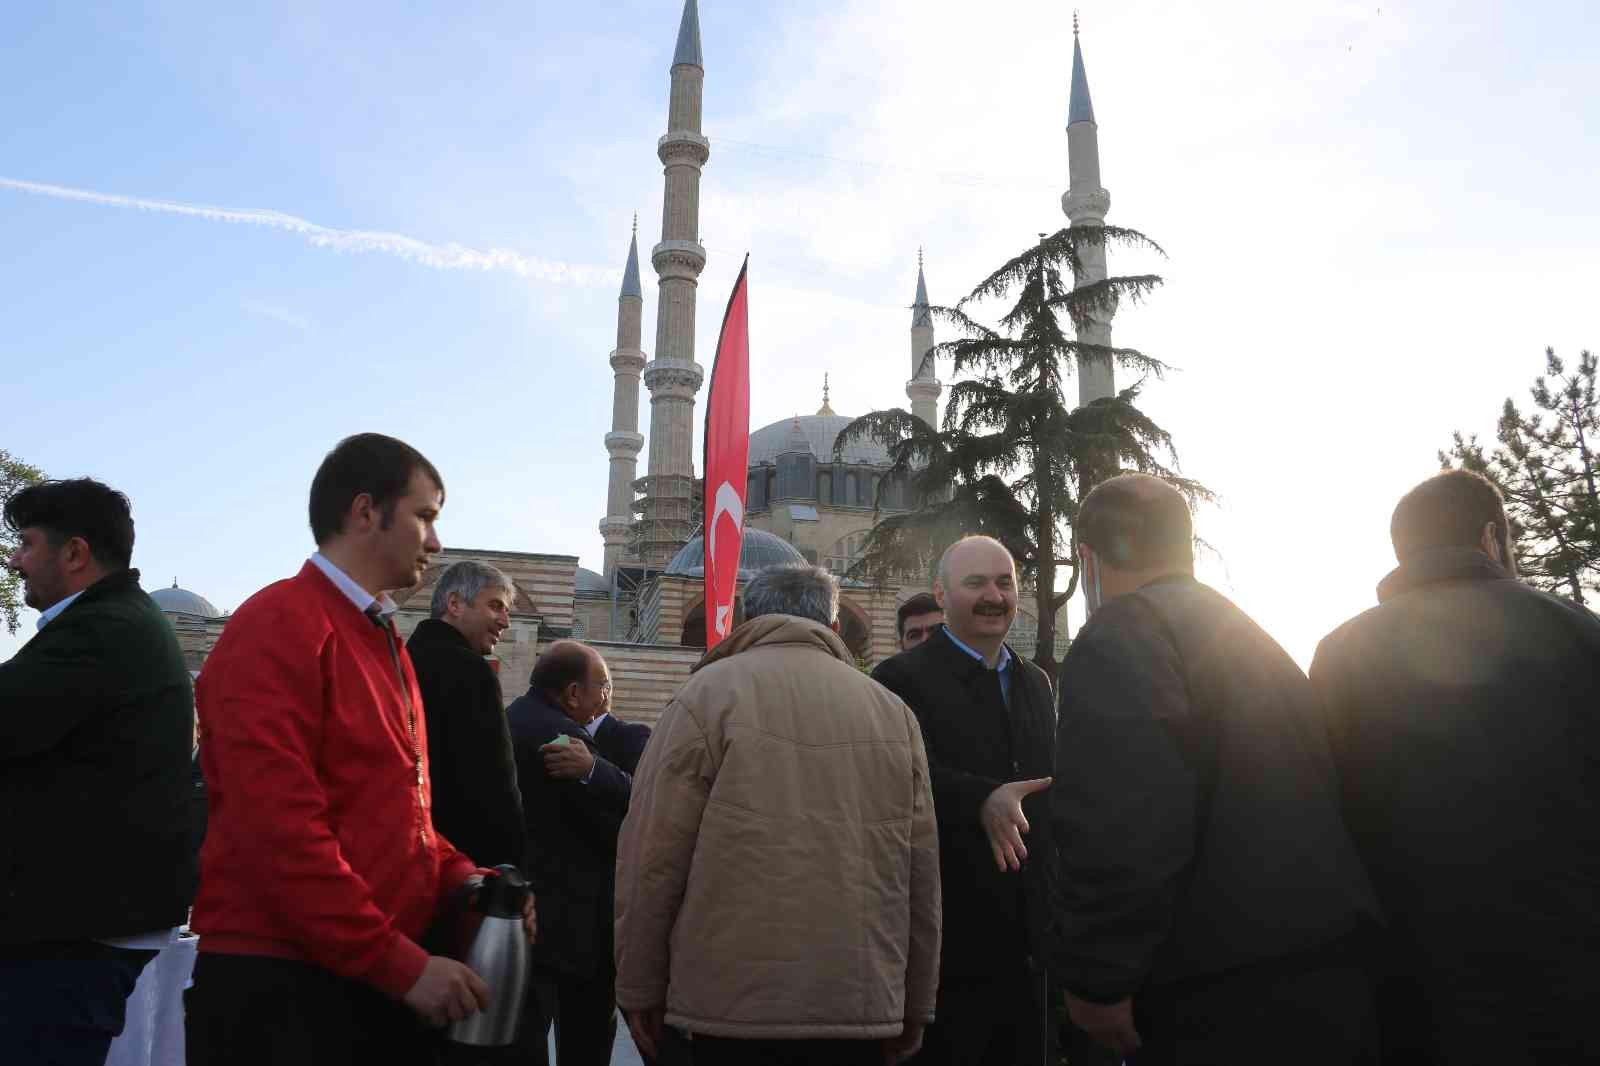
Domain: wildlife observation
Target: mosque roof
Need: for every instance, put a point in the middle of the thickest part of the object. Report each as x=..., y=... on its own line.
x=181, y=601
x=758, y=551
x=589, y=581
x=817, y=431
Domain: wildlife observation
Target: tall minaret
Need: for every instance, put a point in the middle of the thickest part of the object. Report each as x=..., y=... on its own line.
x=923, y=389
x=624, y=441
x=674, y=377
x=1085, y=204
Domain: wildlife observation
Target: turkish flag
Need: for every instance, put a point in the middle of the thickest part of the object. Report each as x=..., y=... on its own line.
x=727, y=457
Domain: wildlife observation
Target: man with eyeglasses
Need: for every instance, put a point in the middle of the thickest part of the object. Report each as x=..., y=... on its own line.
x=573, y=802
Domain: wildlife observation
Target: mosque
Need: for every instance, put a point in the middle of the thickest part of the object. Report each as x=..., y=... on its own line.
x=805, y=503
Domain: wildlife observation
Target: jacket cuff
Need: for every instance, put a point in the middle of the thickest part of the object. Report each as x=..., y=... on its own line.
x=640, y=999
x=399, y=967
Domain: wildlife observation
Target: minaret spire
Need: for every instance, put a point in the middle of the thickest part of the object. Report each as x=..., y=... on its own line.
x=1085, y=203
x=826, y=409
x=924, y=388
x=674, y=377
x=624, y=442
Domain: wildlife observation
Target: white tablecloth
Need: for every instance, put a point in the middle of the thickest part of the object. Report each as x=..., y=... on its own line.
x=153, y=1033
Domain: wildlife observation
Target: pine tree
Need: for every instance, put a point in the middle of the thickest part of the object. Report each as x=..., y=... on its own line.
x=1545, y=468
x=1013, y=458
x=14, y=475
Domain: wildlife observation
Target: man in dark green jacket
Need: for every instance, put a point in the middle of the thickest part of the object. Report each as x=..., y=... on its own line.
x=96, y=719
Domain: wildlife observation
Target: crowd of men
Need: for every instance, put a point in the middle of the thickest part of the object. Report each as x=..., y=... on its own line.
x=1182, y=849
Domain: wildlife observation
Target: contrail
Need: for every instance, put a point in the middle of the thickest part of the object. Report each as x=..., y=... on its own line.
x=438, y=256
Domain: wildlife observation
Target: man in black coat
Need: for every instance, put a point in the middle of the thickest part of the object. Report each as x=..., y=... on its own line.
x=575, y=800
x=1209, y=903
x=476, y=804
x=1464, y=712
x=619, y=742
x=988, y=723
x=96, y=721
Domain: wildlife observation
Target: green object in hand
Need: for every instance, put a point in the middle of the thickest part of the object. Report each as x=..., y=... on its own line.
x=562, y=740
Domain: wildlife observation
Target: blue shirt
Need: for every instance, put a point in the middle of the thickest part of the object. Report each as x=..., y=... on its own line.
x=48, y=615
x=1002, y=667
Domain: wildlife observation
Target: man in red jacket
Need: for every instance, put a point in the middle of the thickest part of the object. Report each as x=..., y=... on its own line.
x=321, y=867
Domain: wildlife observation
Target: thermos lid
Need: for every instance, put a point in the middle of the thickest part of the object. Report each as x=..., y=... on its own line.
x=504, y=894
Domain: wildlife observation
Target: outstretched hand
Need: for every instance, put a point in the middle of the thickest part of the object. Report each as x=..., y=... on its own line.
x=1004, y=822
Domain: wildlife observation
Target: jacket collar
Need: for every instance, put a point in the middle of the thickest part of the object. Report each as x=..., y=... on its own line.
x=437, y=631
x=1440, y=564
x=963, y=664
x=771, y=630
x=109, y=585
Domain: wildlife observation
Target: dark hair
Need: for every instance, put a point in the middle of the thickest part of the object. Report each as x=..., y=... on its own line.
x=564, y=662
x=367, y=463
x=1134, y=525
x=1449, y=510
x=77, y=507
x=921, y=603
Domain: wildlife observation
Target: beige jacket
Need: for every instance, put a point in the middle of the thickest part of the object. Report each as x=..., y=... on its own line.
x=778, y=871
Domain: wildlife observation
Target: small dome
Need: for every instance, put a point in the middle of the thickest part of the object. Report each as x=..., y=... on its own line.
x=759, y=551
x=181, y=601
x=819, y=431
x=589, y=581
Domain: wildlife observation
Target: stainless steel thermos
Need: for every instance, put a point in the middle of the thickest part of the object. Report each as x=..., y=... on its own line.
x=498, y=953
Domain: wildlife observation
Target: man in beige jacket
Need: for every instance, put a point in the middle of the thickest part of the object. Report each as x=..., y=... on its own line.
x=778, y=870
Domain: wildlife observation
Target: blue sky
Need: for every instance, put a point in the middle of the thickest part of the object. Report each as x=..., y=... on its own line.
x=1377, y=217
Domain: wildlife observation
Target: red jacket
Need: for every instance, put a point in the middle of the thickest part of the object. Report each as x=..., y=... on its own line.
x=320, y=845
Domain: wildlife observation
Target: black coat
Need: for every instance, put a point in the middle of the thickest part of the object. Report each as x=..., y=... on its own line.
x=572, y=831
x=476, y=805
x=96, y=731
x=1465, y=717
x=994, y=922
x=622, y=743
x=1195, y=805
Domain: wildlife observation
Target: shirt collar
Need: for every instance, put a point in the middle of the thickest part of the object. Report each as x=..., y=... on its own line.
x=1005, y=652
x=352, y=591
x=48, y=615
x=594, y=726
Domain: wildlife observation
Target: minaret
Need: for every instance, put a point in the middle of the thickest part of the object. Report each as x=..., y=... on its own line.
x=674, y=377
x=624, y=441
x=1085, y=203
x=923, y=389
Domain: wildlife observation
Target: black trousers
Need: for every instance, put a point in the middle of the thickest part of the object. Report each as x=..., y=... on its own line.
x=727, y=1051
x=585, y=1013
x=989, y=1021
x=1262, y=1016
x=250, y=1010
x=61, y=1004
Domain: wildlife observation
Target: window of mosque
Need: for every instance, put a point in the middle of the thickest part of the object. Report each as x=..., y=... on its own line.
x=845, y=553
x=852, y=490
x=825, y=487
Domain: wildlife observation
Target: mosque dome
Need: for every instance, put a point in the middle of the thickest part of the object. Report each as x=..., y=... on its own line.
x=181, y=601
x=819, y=431
x=589, y=581
x=759, y=550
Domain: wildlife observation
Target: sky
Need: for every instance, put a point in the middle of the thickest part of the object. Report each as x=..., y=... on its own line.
x=235, y=237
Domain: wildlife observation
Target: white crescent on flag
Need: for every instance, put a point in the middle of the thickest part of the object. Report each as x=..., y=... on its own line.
x=727, y=503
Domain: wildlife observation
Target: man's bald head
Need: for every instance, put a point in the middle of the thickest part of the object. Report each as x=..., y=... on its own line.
x=1139, y=523
x=978, y=551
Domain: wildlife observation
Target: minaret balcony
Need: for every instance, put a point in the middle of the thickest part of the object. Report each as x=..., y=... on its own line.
x=1086, y=205
x=627, y=360
x=678, y=259
x=624, y=444
x=683, y=147
x=673, y=379
x=924, y=387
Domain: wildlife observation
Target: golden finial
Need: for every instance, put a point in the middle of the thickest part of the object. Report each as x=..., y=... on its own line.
x=636, y=223
x=1074, y=22
x=826, y=408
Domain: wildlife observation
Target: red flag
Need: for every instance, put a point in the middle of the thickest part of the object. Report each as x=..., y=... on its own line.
x=727, y=458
